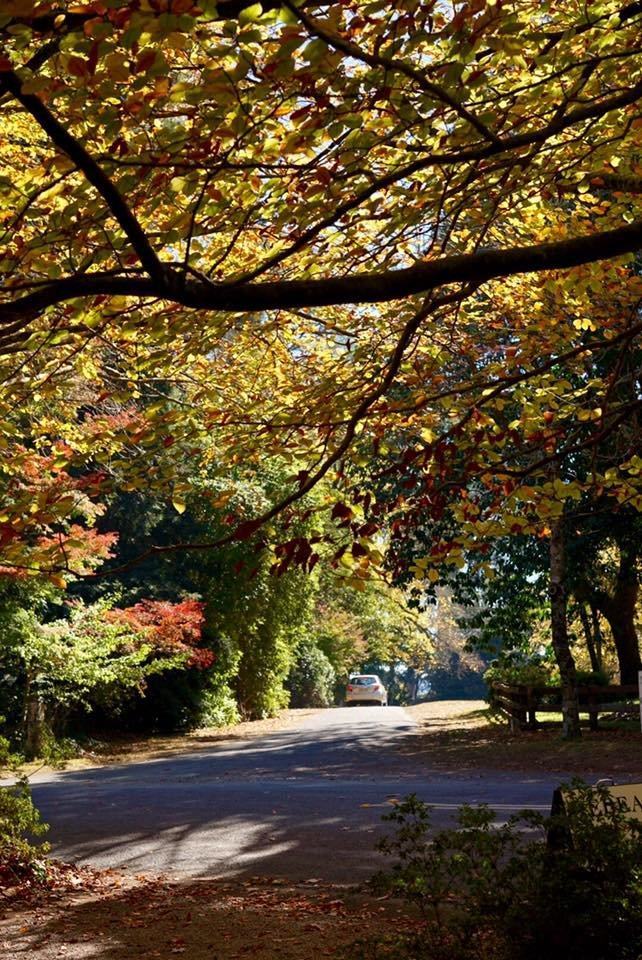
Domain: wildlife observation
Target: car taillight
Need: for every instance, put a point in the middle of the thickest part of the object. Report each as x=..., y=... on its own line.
x=376, y=687
x=349, y=689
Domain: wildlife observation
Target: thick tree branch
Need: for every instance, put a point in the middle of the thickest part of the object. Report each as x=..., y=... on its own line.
x=61, y=21
x=357, y=288
x=512, y=144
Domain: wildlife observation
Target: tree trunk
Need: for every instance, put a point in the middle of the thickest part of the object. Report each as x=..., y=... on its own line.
x=589, y=636
x=412, y=681
x=621, y=620
x=559, y=634
x=35, y=726
x=597, y=635
x=619, y=610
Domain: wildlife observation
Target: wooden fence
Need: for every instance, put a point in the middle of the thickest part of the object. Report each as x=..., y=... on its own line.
x=521, y=703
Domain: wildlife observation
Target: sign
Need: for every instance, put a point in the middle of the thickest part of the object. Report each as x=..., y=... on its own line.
x=625, y=797
x=607, y=798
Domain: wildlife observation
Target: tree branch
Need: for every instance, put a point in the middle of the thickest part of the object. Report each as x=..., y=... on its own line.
x=557, y=125
x=379, y=287
x=394, y=66
x=10, y=82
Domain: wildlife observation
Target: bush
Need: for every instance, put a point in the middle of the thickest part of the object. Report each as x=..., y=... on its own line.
x=218, y=706
x=312, y=677
x=8, y=759
x=517, y=667
x=489, y=893
x=20, y=859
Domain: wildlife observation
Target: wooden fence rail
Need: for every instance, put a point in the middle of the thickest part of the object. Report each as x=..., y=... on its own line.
x=521, y=703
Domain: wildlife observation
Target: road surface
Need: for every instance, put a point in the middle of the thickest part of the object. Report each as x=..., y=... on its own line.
x=304, y=802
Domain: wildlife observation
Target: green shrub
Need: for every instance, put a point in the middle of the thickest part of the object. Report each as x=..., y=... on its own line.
x=8, y=759
x=218, y=706
x=516, y=667
x=489, y=892
x=20, y=858
x=311, y=679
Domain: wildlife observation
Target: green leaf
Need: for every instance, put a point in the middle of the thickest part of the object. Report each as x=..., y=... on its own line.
x=250, y=14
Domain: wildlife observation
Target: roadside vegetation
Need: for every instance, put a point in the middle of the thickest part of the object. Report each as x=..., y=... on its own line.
x=196, y=642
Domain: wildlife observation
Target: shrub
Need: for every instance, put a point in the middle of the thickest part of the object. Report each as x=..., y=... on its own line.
x=312, y=677
x=8, y=759
x=20, y=859
x=516, y=667
x=218, y=706
x=487, y=892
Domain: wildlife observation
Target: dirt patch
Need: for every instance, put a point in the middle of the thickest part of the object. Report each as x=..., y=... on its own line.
x=133, y=748
x=151, y=918
x=464, y=736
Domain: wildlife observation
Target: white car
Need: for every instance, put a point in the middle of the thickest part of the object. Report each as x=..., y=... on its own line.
x=366, y=688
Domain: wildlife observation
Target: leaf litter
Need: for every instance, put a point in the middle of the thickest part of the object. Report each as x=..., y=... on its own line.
x=89, y=914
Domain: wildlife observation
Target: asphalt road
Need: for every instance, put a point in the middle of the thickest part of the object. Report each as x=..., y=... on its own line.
x=305, y=802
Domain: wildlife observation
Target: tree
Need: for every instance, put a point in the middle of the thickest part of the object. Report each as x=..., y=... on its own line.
x=341, y=236
x=311, y=679
x=605, y=576
x=327, y=189
x=370, y=628
x=94, y=655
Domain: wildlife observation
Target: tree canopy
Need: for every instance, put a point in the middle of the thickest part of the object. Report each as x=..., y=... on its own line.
x=331, y=232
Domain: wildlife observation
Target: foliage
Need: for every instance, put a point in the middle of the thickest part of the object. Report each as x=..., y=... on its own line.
x=20, y=822
x=352, y=204
x=338, y=634
x=372, y=629
x=95, y=655
x=217, y=705
x=173, y=629
x=8, y=759
x=487, y=891
x=101, y=652
x=312, y=678
x=392, y=249
x=260, y=614
x=518, y=667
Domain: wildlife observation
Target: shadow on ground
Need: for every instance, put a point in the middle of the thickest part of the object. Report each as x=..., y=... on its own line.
x=471, y=743
x=202, y=921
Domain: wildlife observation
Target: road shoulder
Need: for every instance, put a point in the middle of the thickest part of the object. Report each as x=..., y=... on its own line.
x=463, y=736
x=137, y=749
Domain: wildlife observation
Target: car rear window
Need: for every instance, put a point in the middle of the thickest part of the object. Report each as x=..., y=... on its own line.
x=363, y=681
